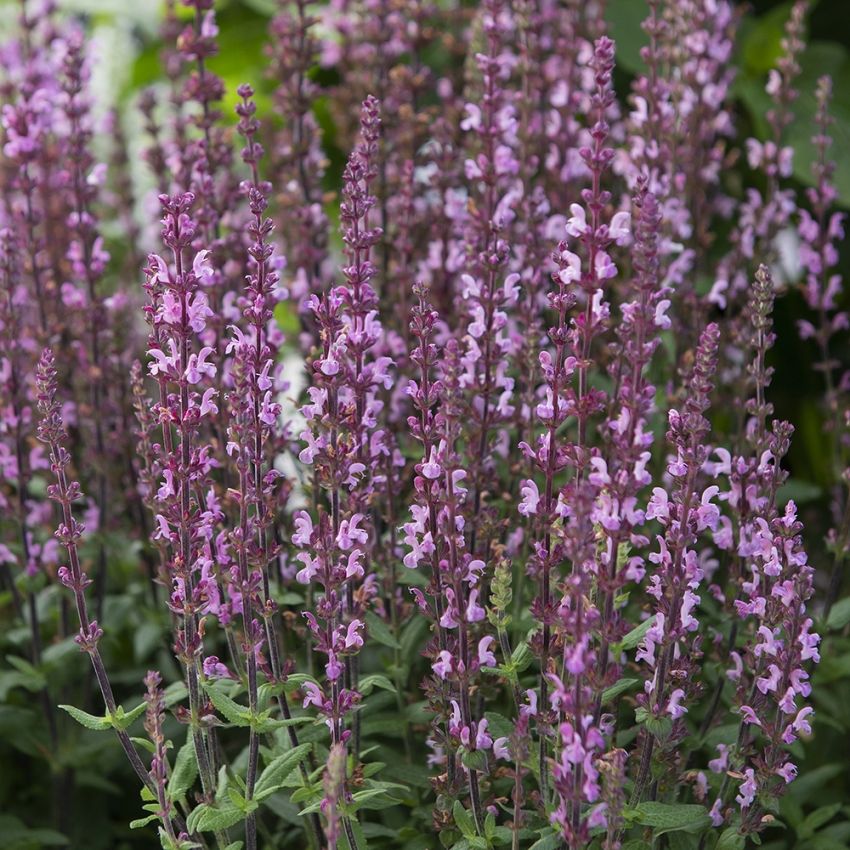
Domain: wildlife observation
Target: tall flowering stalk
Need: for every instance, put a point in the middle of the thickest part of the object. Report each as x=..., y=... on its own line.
x=762, y=216
x=366, y=367
x=154, y=712
x=572, y=343
x=671, y=647
x=462, y=583
x=18, y=349
x=624, y=461
x=343, y=445
x=27, y=125
x=773, y=585
x=177, y=312
x=88, y=260
x=299, y=161
x=421, y=533
x=772, y=717
x=64, y=491
x=254, y=418
x=821, y=230
x=331, y=557
x=754, y=476
x=486, y=293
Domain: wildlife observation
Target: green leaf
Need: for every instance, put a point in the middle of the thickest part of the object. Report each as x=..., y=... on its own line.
x=16, y=834
x=474, y=760
x=839, y=615
x=233, y=712
x=306, y=792
x=463, y=820
x=278, y=769
x=174, y=693
x=552, y=841
x=500, y=726
x=265, y=723
x=412, y=578
x=140, y=822
x=660, y=727
x=368, y=798
x=185, y=770
x=824, y=842
x=671, y=817
x=90, y=721
x=761, y=44
x=624, y=19
x=731, y=839
x=636, y=635
x=124, y=719
x=411, y=637
x=60, y=652
x=206, y=818
x=798, y=491
x=10, y=679
x=235, y=845
x=33, y=678
x=375, y=680
x=521, y=657
x=618, y=688
x=379, y=631
x=144, y=743
x=291, y=599
x=818, y=818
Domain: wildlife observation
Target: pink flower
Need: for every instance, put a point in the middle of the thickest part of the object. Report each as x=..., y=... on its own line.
x=353, y=640
x=485, y=654
x=474, y=612
x=202, y=268
x=349, y=533
x=208, y=405
x=674, y=707
x=214, y=669
x=197, y=366
x=432, y=469
x=577, y=223
x=313, y=695
x=442, y=667
x=748, y=789
x=500, y=749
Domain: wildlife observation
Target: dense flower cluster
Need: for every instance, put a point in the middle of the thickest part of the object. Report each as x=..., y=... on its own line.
x=484, y=501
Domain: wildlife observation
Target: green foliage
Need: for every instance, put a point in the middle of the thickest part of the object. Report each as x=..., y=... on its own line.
x=669, y=817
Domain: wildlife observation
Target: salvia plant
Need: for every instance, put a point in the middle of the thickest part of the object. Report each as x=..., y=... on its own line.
x=407, y=411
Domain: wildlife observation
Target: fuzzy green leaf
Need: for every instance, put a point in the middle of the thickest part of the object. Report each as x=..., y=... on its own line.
x=379, y=631
x=839, y=615
x=552, y=841
x=207, y=818
x=636, y=635
x=185, y=771
x=671, y=817
x=90, y=721
x=617, y=688
x=463, y=820
x=140, y=822
x=33, y=678
x=278, y=769
x=124, y=719
x=375, y=680
x=731, y=839
x=232, y=711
